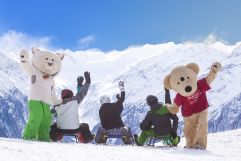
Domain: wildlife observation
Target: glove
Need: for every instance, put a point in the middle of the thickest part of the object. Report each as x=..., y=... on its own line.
x=121, y=86
x=53, y=111
x=87, y=77
x=166, y=90
x=80, y=80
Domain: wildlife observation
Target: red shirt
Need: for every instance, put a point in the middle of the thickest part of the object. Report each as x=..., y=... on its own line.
x=195, y=103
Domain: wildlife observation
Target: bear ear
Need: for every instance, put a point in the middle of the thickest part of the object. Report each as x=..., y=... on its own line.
x=61, y=55
x=166, y=82
x=194, y=67
x=35, y=50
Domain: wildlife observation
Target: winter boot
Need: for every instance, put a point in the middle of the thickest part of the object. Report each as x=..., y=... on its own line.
x=53, y=133
x=136, y=140
x=176, y=140
x=80, y=137
x=167, y=141
x=101, y=136
x=87, y=140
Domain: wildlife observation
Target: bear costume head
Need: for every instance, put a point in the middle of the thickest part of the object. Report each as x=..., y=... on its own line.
x=47, y=62
x=183, y=79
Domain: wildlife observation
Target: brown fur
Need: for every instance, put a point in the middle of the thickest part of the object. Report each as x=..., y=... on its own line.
x=167, y=82
x=172, y=108
x=194, y=67
x=196, y=129
x=196, y=125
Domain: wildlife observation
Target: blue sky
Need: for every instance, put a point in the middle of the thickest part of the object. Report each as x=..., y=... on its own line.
x=117, y=24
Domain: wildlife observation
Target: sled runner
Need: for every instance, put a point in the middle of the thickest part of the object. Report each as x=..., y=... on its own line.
x=124, y=138
x=165, y=141
x=74, y=133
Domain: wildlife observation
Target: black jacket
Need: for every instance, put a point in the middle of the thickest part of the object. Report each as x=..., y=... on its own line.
x=110, y=113
x=159, y=118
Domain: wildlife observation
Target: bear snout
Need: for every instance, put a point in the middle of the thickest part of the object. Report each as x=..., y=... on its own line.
x=188, y=89
x=50, y=64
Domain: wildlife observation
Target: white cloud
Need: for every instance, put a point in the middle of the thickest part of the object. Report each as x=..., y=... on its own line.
x=209, y=39
x=84, y=42
x=213, y=38
x=12, y=42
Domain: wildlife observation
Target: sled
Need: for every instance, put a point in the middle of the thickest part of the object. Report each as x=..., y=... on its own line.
x=57, y=134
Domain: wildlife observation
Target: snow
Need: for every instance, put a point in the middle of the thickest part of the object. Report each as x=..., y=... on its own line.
x=225, y=146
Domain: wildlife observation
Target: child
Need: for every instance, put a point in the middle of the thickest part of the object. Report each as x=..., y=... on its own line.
x=157, y=122
x=67, y=113
x=110, y=118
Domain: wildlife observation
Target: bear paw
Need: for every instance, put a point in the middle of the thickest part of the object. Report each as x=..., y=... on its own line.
x=24, y=56
x=216, y=67
x=173, y=109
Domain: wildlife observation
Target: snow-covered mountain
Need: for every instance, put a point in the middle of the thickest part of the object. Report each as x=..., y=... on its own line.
x=143, y=69
x=223, y=146
x=13, y=112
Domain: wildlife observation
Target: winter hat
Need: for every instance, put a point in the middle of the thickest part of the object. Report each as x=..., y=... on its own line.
x=66, y=93
x=151, y=100
x=104, y=99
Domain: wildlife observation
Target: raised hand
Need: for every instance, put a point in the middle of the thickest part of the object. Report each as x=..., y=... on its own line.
x=121, y=85
x=24, y=56
x=87, y=77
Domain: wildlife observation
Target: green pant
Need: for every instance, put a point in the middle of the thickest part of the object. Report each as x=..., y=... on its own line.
x=39, y=121
x=145, y=134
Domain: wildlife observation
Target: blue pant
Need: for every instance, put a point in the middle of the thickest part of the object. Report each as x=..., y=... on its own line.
x=122, y=132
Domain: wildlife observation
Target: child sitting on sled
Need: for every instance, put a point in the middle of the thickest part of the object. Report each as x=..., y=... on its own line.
x=157, y=122
x=67, y=113
x=110, y=119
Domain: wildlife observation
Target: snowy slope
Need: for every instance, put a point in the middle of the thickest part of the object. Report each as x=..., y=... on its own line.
x=13, y=113
x=222, y=146
x=227, y=117
x=143, y=69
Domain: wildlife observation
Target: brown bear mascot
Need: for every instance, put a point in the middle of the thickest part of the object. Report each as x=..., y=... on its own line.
x=191, y=97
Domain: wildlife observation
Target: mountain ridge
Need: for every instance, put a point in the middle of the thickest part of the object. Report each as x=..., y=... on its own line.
x=142, y=68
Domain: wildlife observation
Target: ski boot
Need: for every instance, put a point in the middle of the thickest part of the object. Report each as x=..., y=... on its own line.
x=136, y=140
x=167, y=141
x=175, y=141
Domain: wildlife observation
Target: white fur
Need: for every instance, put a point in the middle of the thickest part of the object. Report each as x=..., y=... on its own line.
x=41, y=89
